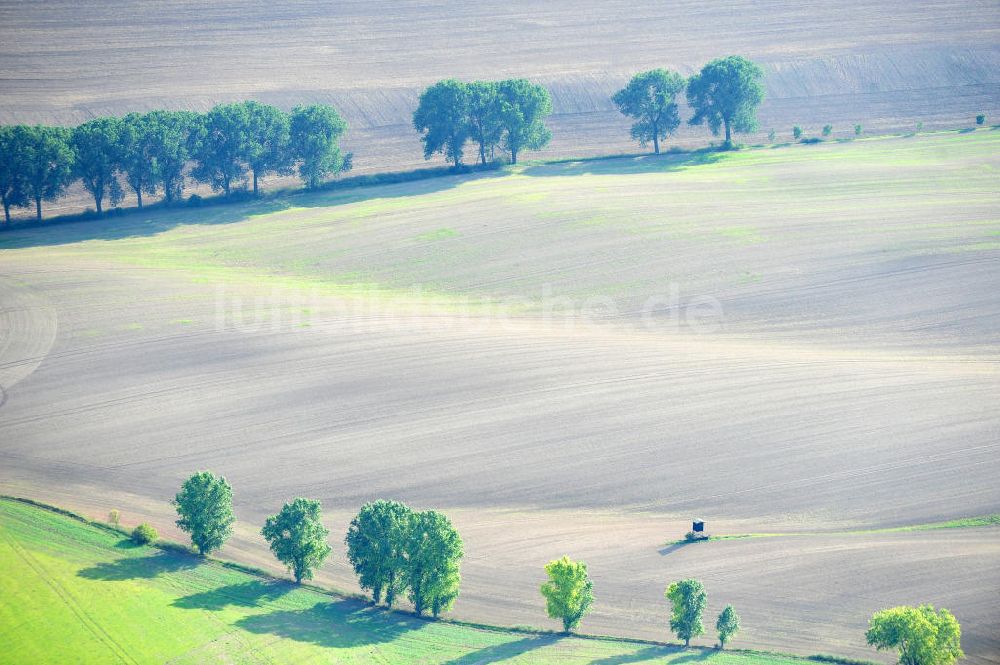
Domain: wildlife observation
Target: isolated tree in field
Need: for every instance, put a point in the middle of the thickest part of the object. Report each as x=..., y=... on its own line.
x=727, y=625
x=857, y=130
x=205, y=508
x=796, y=132
x=97, y=152
x=442, y=119
x=921, y=635
x=136, y=154
x=484, y=117
x=13, y=168
x=48, y=163
x=687, y=599
x=827, y=130
x=650, y=98
x=376, y=541
x=267, y=141
x=222, y=147
x=171, y=137
x=981, y=119
x=726, y=93
x=523, y=109
x=433, y=550
x=771, y=135
x=568, y=593
x=315, y=143
x=297, y=537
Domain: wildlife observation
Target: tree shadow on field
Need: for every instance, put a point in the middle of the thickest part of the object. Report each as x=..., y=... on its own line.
x=246, y=594
x=673, y=547
x=341, y=624
x=649, y=653
x=144, y=567
x=662, y=163
x=700, y=654
x=498, y=652
x=155, y=219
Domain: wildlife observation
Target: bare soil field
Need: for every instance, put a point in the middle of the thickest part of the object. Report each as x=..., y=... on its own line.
x=521, y=350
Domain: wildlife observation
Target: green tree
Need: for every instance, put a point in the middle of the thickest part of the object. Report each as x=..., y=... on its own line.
x=484, y=117
x=433, y=551
x=726, y=93
x=523, y=109
x=857, y=130
x=376, y=541
x=171, y=136
x=205, y=508
x=144, y=534
x=650, y=98
x=13, y=168
x=771, y=135
x=138, y=162
x=297, y=537
x=96, y=147
x=687, y=599
x=921, y=635
x=796, y=132
x=267, y=141
x=827, y=130
x=442, y=118
x=727, y=625
x=222, y=147
x=981, y=119
x=48, y=163
x=315, y=137
x=568, y=593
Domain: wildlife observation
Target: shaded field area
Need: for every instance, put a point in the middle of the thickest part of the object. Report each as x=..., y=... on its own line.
x=517, y=350
x=109, y=600
x=887, y=67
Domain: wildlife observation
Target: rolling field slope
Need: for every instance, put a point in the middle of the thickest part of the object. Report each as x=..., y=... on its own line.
x=567, y=358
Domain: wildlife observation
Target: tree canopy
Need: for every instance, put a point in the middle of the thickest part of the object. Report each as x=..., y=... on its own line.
x=433, y=550
x=315, y=133
x=97, y=152
x=222, y=147
x=442, y=119
x=205, y=508
x=921, y=635
x=727, y=625
x=47, y=162
x=568, y=593
x=297, y=537
x=687, y=599
x=376, y=541
x=13, y=168
x=266, y=147
x=137, y=160
x=650, y=98
x=484, y=117
x=523, y=109
x=726, y=93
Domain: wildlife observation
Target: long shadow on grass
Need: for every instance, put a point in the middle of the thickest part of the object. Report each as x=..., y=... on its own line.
x=499, y=652
x=649, y=653
x=140, y=567
x=341, y=624
x=662, y=163
x=247, y=594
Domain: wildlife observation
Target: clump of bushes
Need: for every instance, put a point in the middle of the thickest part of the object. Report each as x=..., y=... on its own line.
x=796, y=132
x=144, y=534
x=827, y=130
x=981, y=119
x=857, y=130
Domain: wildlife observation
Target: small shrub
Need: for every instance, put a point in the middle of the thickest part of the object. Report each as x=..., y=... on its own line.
x=920, y=126
x=144, y=534
x=857, y=130
x=693, y=537
x=195, y=201
x=770, y=136
x=981, y=119
x=114, y=517
x=811, y=140
x=796, y=132
x=827, y=130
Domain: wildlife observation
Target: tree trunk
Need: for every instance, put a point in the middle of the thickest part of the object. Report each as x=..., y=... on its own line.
x=6, y=212
x=255, y=183
x=656, y=141
x=513, y=156
x=687, y=642
x=225, y=186
x=138, y=196
x=482, y=154
x=38, y=208
x=729, y=135
x=97, y=201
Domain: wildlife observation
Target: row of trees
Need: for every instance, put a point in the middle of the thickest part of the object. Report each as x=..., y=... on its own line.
x=509, y=115
x=150, y=153
x=724, y=95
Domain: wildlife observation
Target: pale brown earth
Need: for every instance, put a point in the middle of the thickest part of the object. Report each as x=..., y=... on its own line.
x=851, y=384
x=886, y=66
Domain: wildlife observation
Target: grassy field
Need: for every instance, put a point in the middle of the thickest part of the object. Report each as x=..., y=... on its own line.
x=76, y=593
x=507, y=348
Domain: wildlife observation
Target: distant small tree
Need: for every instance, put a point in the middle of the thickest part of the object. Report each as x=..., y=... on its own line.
x=315, y=143
x=921, y=635
x=376, y=544
x=297, y=537
x=433, y=551
x=687, y=599
x=771, y=136
x=858, y=130
x=48, y=163
x=442, y=119
x=484, y=123
x=827, y=130
x=114, y=517
x=13, y=168
x=524, y=107
x=920, y=126
x=205, y=508
x=568, y=593
x=137, y=159
x=726, y=93
x=650, y=98
x=144, y=534
x=727, y=625
x=97, y=153
x=796, y=132
x=981, y=119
